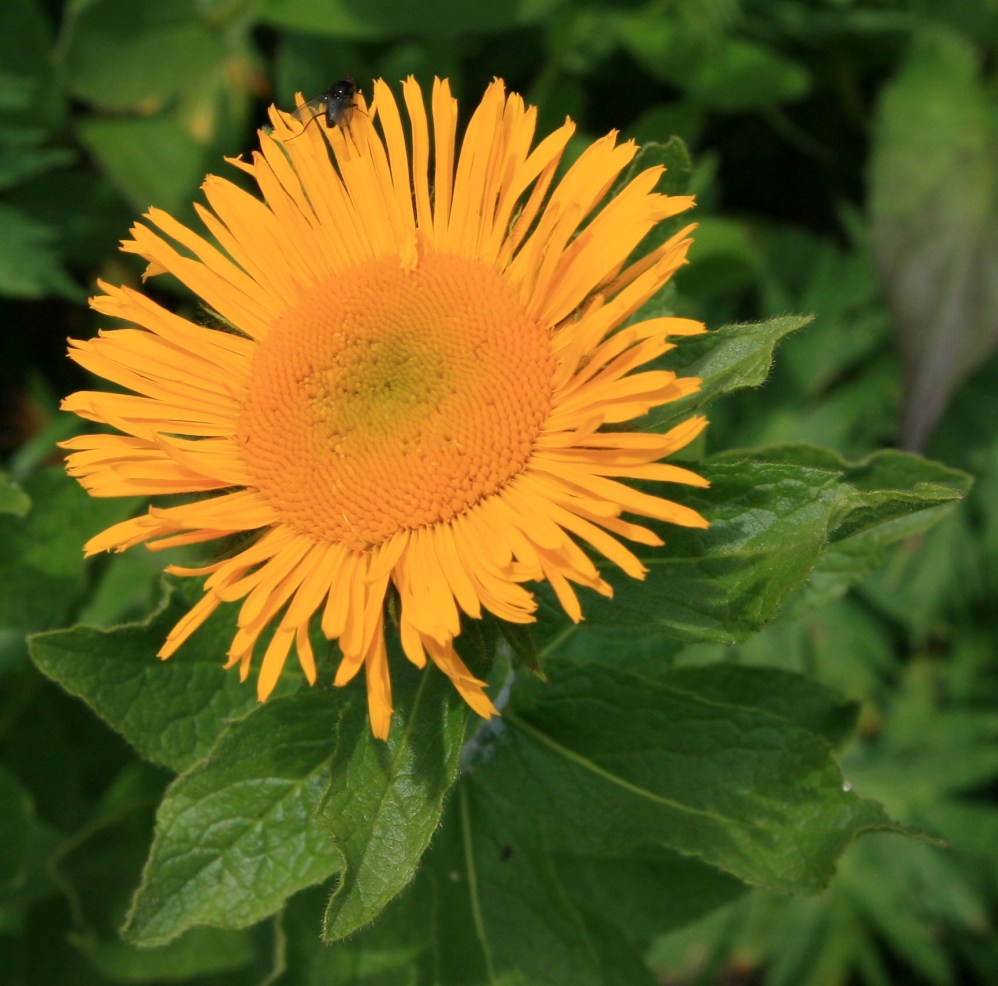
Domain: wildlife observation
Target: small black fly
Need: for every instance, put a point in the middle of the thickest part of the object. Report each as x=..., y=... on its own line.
x=335, y=106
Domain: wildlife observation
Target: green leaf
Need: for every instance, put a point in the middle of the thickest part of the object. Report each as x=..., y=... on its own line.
x=726, y=359
x=23, y=156
x=774, y=519
x=42, y=567
x=797, y=700
x=930, y=577
x=616, y=762
x=208, y=952
x=740, y=75
x=806, y=272
x=768, y=524
x=237, y=834
x=29, y=264
x=521, y=641
x=724, y=73
x=119, y=55
x=32, y=883
x=172, y=712
x=934, y=203
x=512, y=911
x=385, y=799
x=724, y=259
x=17, y=815
x=659, y=121
x=646, y=893
x=885, y=498
x=152, y=161
x=842, y=644
x=31, y=90
x=97, y=869
x=89, y=213
x=930, y=751
x=13, y=499
x=381, y=19
x=928, y=757
x=503, y=915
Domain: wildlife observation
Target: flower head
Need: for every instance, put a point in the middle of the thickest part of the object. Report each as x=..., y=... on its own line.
x=416, y=386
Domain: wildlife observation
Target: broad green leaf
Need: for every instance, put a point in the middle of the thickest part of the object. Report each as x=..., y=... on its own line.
x=647, y=893
x=619, y=961
x=384, y=799
x=616, y=762
x=797, y=700
x=237, y=834
x=776, y=518
x=29, y=264
x=510, y=911
x=119, y=55
x=172, y=711
x=775, y=681
x=503, y=915
x=726, y=359
x=42, y=567
x=380, y=19
x=18, y=92
x=934, y=203
x=885, y=498
x=892, y=490
x=768, y=523
x=152, y=161
x=930, y=754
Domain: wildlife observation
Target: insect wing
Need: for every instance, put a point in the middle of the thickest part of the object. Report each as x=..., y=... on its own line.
x=315, y=107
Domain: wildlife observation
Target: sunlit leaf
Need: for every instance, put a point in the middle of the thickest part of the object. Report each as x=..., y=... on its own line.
x=237, y=834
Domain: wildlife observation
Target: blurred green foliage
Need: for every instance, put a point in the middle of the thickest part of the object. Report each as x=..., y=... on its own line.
x=844, y=161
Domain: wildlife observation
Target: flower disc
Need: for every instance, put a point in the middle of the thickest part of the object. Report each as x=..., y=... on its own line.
x=391, y=399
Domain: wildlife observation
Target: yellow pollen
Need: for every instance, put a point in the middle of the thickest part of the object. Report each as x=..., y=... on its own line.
x=394, y=399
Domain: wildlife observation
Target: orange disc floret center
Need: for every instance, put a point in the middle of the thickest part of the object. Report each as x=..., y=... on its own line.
x=393, y=399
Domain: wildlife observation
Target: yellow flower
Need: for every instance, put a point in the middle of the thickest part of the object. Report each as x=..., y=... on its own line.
x=415, y=387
